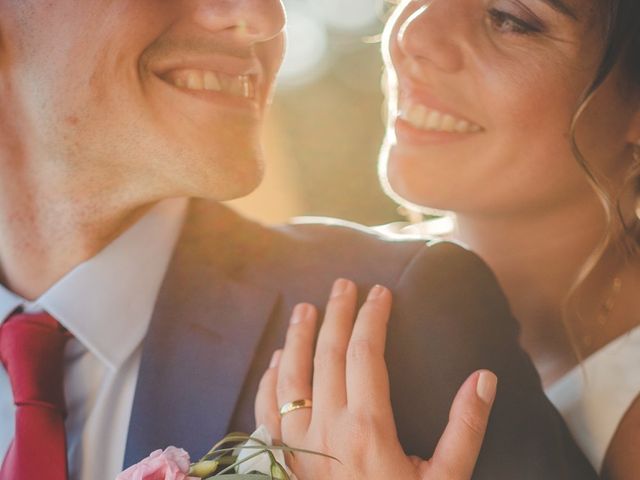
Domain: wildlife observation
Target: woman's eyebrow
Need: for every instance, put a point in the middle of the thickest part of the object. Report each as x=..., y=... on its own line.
x=562, y=7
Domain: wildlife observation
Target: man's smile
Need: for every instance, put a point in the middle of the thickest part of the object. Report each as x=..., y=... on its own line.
x=223, y=79
x=206, y=80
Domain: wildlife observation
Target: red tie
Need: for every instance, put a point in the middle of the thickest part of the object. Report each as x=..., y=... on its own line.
x=32, y=351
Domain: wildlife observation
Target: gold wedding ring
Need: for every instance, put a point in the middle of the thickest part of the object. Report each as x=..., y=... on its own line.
x=293, y=406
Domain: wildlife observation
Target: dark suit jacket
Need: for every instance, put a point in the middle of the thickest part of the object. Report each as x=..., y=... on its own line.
x=224, y=308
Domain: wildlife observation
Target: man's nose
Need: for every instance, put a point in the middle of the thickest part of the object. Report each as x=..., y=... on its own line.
x=433, y=34
x=251, y=21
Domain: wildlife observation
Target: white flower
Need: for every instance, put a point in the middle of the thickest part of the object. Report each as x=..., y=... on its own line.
x=262, y=462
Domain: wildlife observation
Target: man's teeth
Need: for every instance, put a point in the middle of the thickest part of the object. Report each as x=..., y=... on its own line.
x=203, y=80
x=425, y=118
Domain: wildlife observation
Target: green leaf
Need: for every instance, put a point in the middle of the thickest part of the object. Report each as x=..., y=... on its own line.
x=246, y=476
x=277, y=471
x=204, y=469
x=222, y=456
x=240, y=462
x=284, y=448
x=235, y=438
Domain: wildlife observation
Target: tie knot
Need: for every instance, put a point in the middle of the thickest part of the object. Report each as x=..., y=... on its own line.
x=32, y=351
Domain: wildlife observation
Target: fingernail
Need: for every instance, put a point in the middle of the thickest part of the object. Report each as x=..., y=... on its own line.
x=340, y=286
x=487, y=386
x=300, y=312
x=376, y=292
x=275, y=359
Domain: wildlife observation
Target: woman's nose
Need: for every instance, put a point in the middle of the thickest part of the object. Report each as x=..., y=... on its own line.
x=253, y=21
x=432, y=34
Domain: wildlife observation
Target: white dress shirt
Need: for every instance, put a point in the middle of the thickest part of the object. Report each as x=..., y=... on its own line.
x=106, y=303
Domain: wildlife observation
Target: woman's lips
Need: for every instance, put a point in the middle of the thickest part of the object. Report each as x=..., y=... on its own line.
x=429, y=119
x=424, y=111
x=419, y=122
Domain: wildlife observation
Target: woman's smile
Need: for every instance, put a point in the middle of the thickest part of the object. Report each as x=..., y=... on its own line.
x=423, y=118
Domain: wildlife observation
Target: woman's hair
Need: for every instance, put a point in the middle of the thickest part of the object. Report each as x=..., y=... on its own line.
x=621, y=47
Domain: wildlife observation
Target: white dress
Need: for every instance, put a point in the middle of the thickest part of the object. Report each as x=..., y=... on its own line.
x=594, y=397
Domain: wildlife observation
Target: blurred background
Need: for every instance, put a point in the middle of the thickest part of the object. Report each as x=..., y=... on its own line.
x=325, y=127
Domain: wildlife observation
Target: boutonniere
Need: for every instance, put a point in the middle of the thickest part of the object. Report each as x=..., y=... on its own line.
x=236, y=457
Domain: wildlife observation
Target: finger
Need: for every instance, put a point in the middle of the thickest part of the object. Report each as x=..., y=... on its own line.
x=295, y=372
x=266, y=407
x=329, y=383
x=457, y=451
x=367, y=377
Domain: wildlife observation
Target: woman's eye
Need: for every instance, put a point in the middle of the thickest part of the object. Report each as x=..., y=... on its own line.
x=504, y=22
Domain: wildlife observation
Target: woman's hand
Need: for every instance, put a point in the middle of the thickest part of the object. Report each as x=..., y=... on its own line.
x=351, y=418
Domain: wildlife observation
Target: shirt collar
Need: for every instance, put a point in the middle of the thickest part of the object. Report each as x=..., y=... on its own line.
x=9, y=301
x=107, y=301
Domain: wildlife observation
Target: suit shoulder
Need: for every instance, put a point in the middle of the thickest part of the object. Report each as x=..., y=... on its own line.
x=241, y=246
x=458, y=282
x=335, y=232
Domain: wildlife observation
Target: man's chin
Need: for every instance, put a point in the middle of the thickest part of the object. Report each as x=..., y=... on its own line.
x=240, y=179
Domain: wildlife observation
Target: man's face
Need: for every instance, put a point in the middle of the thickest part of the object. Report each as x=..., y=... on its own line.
x=157, y=97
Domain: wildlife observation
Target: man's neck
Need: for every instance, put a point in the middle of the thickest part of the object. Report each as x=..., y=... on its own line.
x=42, y=240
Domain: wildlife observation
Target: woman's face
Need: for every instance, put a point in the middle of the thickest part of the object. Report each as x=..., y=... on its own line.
x=481, y=97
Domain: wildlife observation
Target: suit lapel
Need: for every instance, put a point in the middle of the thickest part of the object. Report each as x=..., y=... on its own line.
x=208, y=322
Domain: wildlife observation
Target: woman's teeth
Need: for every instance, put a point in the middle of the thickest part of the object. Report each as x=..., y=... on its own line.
x=432, y=120
x=204, y=80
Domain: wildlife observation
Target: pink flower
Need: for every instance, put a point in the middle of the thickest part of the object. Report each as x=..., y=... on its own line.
x=172, y=464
